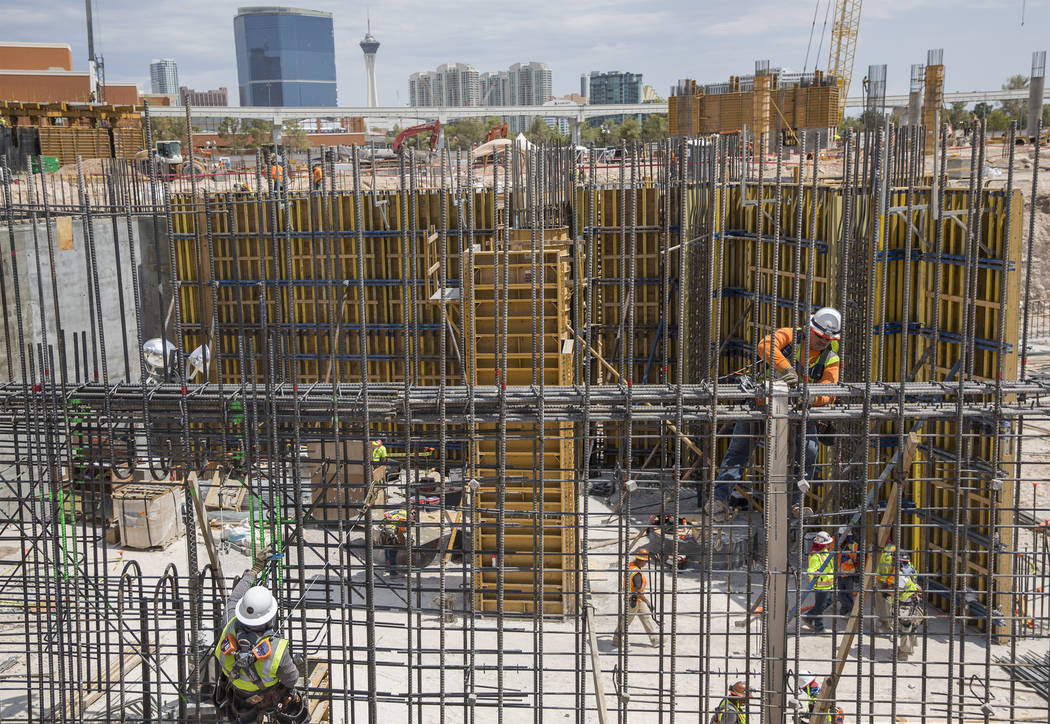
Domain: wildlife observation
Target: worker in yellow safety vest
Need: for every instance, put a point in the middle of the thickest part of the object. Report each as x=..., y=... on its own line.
x=821, y=569
x=637, y=603
x=379, y=453
x=733, y=708
x=258, y=674
x=395, y=531
x=909, y=611
x=847, y=573
x=885, y=574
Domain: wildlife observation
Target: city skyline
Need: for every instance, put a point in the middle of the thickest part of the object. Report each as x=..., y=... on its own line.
x=592, y=35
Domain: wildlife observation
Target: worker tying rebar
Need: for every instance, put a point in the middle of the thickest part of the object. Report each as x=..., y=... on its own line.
x=258, y=675
x=782, y=352
x=733, y=708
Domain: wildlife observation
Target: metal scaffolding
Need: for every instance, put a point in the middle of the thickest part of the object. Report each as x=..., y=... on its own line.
x=556, y=353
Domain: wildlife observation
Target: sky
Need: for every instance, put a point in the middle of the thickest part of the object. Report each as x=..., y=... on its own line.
x=984, y=41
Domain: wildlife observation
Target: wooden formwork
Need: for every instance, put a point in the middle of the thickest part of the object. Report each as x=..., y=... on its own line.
x=932, y=102
x=536, y=491
x=901, y=346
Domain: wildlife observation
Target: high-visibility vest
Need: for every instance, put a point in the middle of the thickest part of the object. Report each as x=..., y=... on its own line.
x=793, y=351
x=635, y=579
x=847, y=558
x=262, y=673
x=884, y=573
x=317, y=173
x=910, y=590
x=378, y=453
x=277, y=172
x=395, y=521
x=826, y=578
x=724, y=708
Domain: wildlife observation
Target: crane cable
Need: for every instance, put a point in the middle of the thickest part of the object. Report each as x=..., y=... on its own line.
x=812, y=29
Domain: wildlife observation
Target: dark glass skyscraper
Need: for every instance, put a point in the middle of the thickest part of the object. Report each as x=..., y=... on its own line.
x=285, y=57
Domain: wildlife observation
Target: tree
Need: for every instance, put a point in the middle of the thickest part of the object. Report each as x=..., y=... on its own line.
x=1019, y=108
x=957, y=115
x=630, y=131
x=590, y=135
x=294, y=136
x=230, y=132
x=169, y=129
x=982, y=109
x=654, y=127
x=1046, y=115
x=464, y=133
x=539, y=131
x=998, y=120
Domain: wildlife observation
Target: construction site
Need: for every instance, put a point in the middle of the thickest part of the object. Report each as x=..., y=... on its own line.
x=752, y=423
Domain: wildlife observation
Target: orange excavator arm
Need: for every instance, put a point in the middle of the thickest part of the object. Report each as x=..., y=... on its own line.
x=416, y=130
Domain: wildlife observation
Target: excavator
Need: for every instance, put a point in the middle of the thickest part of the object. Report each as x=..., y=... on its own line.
x=497, y=132
x=415, y=131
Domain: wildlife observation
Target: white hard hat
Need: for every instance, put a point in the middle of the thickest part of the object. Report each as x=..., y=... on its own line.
x=826, y=322
x=257, y=608
x=823, y=538
x=805, y=678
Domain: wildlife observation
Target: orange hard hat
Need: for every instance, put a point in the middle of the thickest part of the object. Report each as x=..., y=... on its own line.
x=642, y=554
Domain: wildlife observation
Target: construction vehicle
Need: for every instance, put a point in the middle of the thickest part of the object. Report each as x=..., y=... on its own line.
x=497, y=132
x=168, y=160
x=435, y=127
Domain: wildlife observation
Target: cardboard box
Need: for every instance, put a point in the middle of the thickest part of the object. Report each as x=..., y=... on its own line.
x=337, y=482
x=149, y=515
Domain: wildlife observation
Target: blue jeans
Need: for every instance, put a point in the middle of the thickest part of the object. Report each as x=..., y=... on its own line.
x=745, y=435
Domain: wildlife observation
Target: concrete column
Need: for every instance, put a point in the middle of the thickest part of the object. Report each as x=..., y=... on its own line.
x=1035, y=93
x=774, y=656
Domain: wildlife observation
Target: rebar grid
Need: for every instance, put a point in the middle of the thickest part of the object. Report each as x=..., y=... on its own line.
x=559, y=344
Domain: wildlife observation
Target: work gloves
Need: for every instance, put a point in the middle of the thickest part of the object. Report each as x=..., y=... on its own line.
x=789, y=377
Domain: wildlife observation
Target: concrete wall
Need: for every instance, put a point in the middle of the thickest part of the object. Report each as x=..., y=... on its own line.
x=76, y=295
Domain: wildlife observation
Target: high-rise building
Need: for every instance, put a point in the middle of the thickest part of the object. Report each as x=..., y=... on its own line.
x=285, y=57
x=585, y=85
x=218, y=97
x=614, y=87
x=495, y=88
x=164, y=76
x=452, y=84
x=530, y=85
x=370, y=46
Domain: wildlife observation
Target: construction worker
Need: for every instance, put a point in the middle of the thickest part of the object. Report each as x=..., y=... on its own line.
x=909, y=614
x=809, y=689
x=258, y=674
x=318, y=177
x=733, y=708
x=637, y=603
x=821, y=571
x=277, y=174
x=394, y=531
x=847, y=573
x=782, y=352
x=884, y=587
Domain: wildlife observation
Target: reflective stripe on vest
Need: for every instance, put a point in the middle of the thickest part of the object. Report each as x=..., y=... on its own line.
x=632, y=572
x=826, y=579
x=265, y=670
x=884, y=573
x=910, y=589
x=847, y=558
x=793, y=351
x=730, y=704
x=378, y=453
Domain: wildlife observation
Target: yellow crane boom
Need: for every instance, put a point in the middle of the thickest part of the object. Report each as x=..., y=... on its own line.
x=844, y=46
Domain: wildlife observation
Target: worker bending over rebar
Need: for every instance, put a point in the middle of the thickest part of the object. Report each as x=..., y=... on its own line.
x=258, y=674
x=782, y=352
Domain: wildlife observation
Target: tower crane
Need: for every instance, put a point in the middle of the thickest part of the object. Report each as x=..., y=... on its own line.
x=844, y=46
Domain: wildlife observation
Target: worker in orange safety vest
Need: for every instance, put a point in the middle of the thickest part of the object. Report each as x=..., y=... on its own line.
x=848, y=572
x=637, y=605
